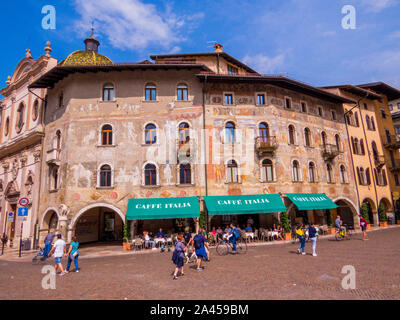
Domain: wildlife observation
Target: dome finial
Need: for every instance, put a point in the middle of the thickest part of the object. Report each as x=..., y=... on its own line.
x=91, y=43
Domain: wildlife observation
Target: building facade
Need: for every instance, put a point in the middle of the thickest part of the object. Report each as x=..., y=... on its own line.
x=21, y=135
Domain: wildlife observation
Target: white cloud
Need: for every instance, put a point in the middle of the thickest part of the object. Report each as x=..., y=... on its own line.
x=376, y=6
x=264, y=64
x=132, y=24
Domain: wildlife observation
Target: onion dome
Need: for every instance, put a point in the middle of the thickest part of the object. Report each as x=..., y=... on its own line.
x=89, y=56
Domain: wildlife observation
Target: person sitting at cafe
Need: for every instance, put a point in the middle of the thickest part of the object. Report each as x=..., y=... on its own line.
x=280, y=232
x=248, y=228
x=148, y=240
x=219, y=233
x=227, y=230
x=160, y=234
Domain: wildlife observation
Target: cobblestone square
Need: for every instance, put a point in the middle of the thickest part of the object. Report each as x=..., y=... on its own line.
x=265, y=272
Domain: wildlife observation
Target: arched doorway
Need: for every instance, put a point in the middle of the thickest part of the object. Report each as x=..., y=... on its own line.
x=371, y=210
x=348, y=213
x=98, y=223
x=49, y=223
x=388, y=207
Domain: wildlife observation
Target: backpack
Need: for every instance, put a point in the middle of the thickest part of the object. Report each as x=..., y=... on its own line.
x=300, y=232
x=197, y=242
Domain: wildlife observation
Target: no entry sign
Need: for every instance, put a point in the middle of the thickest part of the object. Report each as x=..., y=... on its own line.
x=23, y=202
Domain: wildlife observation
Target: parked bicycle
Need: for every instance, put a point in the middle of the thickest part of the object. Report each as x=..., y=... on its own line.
x=39, y=257
x=224, y=246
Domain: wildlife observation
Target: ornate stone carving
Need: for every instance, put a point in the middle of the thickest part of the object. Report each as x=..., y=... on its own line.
x=64, y=210
x=36, y=155
x=14, y=170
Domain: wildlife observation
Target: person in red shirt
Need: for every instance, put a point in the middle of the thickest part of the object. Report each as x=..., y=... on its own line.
x=363, y=224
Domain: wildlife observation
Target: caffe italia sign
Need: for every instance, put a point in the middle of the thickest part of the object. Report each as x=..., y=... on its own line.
x=170, y=205
x=310, y=199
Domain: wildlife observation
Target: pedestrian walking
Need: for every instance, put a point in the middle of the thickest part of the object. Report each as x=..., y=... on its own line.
x=363, y=224
x=300, y=235
x=48, y=240
x=200, y=243
x=73, y=255
x=178, y=256
x=59, y=252
x=312, y=235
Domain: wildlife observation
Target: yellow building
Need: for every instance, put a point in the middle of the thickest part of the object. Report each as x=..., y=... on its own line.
x=366, y=120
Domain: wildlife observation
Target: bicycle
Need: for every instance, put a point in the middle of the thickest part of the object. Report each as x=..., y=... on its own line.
x=225, y=245
x=342, y=234
x=39, y=257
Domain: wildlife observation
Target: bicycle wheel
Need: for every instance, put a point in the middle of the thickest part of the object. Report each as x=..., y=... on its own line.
x=222, y=248
x=338, y=237
x=241, y=246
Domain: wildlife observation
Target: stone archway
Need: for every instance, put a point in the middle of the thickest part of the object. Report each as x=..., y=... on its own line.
x=388, y=207
x=348, y=212
x=97, y=222
x=372, y=210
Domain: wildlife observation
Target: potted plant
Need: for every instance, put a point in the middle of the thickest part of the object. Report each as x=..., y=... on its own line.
x=286, y=225
x=382, y=216
x=125, y=239
x=397, y=213
x=329, y=222
x=364, y=213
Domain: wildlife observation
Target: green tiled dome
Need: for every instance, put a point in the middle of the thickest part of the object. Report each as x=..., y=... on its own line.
x=82, y=58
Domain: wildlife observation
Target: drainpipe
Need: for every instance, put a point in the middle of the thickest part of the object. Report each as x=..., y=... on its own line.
x=205, y=147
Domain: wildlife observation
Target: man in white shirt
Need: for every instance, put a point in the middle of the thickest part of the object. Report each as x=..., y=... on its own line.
x=59, y=249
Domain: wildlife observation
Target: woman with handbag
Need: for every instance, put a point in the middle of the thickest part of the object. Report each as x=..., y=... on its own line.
x=178, y=256
x=73, y=254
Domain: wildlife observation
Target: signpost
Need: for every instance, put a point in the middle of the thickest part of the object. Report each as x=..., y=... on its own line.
x=22, y=216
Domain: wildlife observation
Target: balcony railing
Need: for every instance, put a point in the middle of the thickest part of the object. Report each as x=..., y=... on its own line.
x=330, y=151
x=379, y=161
x=394, y=166
x=265, y=145
x=391, y=141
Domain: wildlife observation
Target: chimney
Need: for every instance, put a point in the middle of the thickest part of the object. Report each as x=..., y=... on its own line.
x=218, y=48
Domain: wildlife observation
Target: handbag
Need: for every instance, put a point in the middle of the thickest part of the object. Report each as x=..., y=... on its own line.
x=74, y=254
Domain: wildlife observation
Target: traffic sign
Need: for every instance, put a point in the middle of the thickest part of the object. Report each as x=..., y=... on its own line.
x=10, y=217
x=22, y=213
x=23, y=202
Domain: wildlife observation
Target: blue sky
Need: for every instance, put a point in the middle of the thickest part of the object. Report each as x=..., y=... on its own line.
x=302, y=39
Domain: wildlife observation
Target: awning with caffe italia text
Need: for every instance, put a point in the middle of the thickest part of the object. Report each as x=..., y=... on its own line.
x=163, y=208
x=311, y=201
x=244, y=204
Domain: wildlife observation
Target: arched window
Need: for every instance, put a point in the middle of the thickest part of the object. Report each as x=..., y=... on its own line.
x=343, y=174
x=338, y=143
x=7, y=129
x=311, y=172
x=267, y=171
x=230, y=132
x=324, y=138
x=184, y=133
x=292, y=135
x=105, y=176
x=58, y=140
x=348, y=116
x=35, y=111
x=329, y=174
x=20, y=116
x=150, y=133
x=372, y=124
x=151, y=92
x=374, y=149
x=54, y=178
x=368, y=121
x=185, y=174
x=106, y=135
x=182, y=92
x=263, y=131
x=355, y=146
x=368, y=176
x=150, y=175
x=362, y=150
x=108, y=92
x=232, y=169
x=307, y=137
x=296, y=171
x=356, y=119
x=362, y=176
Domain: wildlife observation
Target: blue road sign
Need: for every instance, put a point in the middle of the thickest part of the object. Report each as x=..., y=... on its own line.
x=22, y=212
x=10, y=217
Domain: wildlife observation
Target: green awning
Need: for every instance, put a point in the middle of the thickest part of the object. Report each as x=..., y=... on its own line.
x=311, y=201
x=246, y=204
x=163, y=208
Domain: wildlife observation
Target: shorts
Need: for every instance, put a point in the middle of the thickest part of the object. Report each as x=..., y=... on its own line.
x=57, y=260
